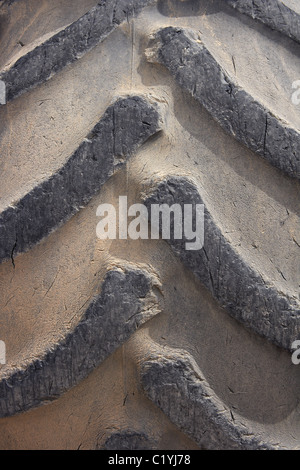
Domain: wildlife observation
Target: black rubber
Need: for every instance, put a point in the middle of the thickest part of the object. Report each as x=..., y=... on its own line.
x=130, y=317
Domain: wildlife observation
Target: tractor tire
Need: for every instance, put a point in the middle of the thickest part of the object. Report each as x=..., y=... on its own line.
x=135, y=343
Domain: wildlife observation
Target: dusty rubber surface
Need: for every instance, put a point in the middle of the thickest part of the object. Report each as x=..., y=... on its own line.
x=195, y=350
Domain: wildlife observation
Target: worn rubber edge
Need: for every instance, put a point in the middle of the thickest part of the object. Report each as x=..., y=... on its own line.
x=174, y=382
x=241, y=291
x=125, y=125
x=272, y=13
x=67, y=46
x=126, y=301
x=187, y=58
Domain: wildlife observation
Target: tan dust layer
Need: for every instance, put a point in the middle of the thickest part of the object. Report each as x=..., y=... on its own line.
x=51, y=286
x=27, y=21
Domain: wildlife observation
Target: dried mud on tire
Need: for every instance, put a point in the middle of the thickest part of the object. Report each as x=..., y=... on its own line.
x=130, y=344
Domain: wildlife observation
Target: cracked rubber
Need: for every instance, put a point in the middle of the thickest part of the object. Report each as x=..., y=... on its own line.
x=66, y=46
x=275, y=14
x=54, y=201
x=235, y=110
x=123, y=305
x=237, y=287
x=137, y=344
